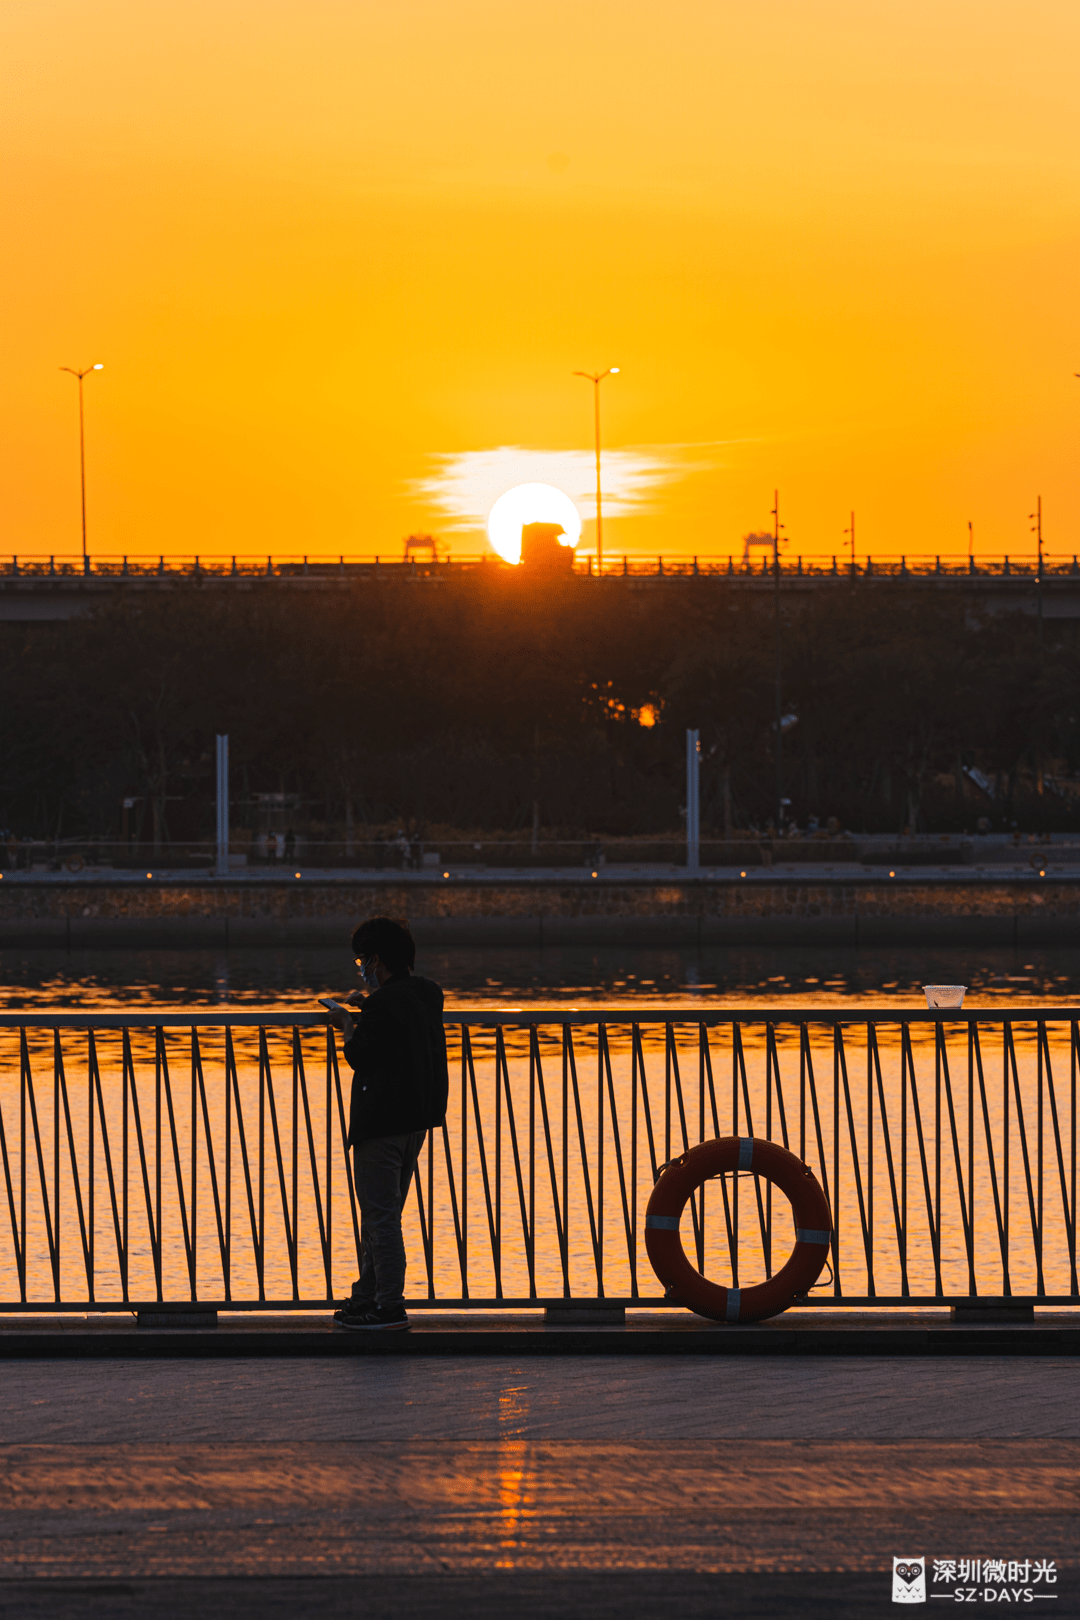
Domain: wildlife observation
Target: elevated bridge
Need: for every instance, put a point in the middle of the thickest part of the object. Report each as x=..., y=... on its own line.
x=54, y=588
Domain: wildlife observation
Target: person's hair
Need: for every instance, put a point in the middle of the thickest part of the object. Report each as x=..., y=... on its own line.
x=390, y=941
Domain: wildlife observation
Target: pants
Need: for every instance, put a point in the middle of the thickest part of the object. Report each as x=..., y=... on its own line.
x=383, y=1171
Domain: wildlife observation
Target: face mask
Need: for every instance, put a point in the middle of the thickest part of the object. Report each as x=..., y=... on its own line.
x=368, y=972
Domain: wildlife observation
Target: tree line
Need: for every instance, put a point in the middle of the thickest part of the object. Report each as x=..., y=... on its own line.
x=493, y=703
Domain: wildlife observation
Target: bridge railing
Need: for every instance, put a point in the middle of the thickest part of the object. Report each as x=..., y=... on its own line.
x=172, y=1157
x=633, y=565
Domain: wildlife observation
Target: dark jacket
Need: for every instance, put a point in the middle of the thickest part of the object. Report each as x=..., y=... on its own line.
x=398, y=1055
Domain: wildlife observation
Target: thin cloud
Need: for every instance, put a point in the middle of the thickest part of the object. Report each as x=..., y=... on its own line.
x=465, y=485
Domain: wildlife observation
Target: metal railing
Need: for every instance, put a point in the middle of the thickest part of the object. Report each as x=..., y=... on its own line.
x=171, y=1157
x=920, y=565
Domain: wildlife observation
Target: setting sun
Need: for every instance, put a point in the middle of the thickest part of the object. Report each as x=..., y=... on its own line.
x=530, y=503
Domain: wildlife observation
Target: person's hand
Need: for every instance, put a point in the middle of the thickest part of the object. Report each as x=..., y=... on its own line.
x=355, y=998
x=341, y=1020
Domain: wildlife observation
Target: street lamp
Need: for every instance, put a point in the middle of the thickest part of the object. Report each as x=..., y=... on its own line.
x=596, y=378
x=780, y=800
x=98, y=366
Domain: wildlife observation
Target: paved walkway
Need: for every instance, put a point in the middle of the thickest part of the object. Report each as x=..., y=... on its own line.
x=447, y=1398
x=386, y=1486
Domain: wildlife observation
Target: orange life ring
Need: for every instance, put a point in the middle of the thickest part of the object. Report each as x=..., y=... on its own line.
x=813, y=1228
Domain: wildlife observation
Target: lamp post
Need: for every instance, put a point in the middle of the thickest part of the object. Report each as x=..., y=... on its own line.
x=82, y=438
x=777, y=526
x=1036, y=530
x=596, y=378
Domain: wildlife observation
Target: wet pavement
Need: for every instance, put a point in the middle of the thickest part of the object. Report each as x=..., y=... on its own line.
x=595, y=1485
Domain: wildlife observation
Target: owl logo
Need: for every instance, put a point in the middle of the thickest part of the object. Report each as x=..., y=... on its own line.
x=909, y=1580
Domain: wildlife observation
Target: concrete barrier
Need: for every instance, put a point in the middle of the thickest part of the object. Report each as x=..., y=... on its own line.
x=806, y=908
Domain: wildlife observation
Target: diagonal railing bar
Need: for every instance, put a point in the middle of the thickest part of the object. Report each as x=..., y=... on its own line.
x=95, y=1090
x=705, y=1058
x=232, y=1079
x=493, y=1230
x=502, y=1076
x=771, y=1066
x=328, y=1125
x=1040, y=1144
x=1074, y=1043
x=91, y=1225
x=808, y=1082
x=868, y=1247
x=497, y=1178
x=870, y=1142
x=1068, y=1210
x=737, y=1060
x=699, y=1197
x=459, y=1236
x=322, y=1217
x=966, y=1222
x=211, y=1158
x=532, y=1145
x=899, y=1225
x=226, y=1251
x=294, y=1154
x=570, y=1057
x=763, y=1224
x=289, y=1221
x=464, y=1117
x=536, y=1067
x=1021, y=1128
x=152, y=1228
x=673, y=1073
x=599, y=1166
x=779, y=1084
x=61, y=1080
x=332, y=1059
x=189, y=1245
x=193, y=1177
x=431, y=1207
x=672, y=1061
x=807, y=1062
x=628, y=1224
x=427, y=1236
x=638, y=1061
x=18, y=1216
x=17, y=1226
x=705, y=1051
x=1003, y=1241
x=158, y=1215
x=907, y=1057
x=706, y=1079
x=52, y=1221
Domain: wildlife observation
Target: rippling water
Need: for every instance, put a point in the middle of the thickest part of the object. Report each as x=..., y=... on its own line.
x=294, y=978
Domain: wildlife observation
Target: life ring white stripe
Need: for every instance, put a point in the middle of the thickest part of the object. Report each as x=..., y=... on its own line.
x=746, y=1152
x=733, y=1304
x=663, y=1223
x=803, y=1234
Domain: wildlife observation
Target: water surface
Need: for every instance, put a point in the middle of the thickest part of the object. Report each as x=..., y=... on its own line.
x=291, y=977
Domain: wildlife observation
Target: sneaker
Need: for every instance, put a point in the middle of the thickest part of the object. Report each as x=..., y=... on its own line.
x=378, y=1316
x=353, y=1307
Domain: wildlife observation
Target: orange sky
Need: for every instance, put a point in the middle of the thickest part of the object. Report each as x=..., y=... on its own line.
x=336, y=254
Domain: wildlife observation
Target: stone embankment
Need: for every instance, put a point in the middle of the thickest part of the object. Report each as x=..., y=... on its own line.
x=947, y=907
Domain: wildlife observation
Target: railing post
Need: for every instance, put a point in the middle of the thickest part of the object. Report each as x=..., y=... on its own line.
x=693, y=800
x=222, y=868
